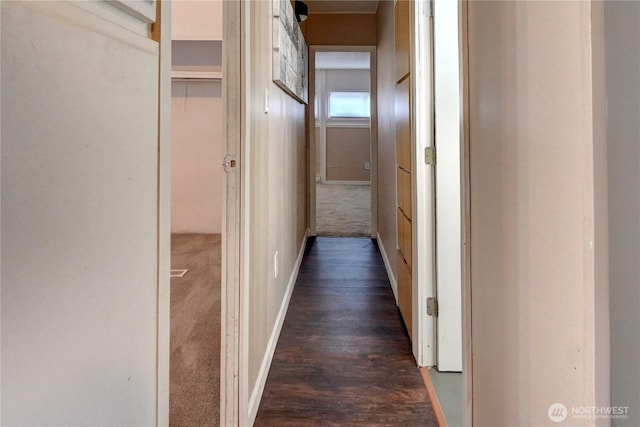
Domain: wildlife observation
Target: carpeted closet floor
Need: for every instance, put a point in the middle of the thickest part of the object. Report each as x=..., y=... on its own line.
x=195, y=331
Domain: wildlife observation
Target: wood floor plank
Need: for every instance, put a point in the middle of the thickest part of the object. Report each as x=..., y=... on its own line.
x=343, y=357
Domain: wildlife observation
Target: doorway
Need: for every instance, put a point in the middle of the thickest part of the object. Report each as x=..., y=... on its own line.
x=197, y=182
x=343, y=141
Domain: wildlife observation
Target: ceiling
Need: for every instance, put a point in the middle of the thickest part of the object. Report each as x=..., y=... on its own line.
x=342, y=6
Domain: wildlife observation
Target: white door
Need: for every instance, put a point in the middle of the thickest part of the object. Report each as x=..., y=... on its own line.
x=82, y=305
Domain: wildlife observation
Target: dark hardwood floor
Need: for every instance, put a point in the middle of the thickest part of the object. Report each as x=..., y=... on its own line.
x=343, y=357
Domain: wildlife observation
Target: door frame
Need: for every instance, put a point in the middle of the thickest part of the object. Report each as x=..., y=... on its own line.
x=373, y=131
x=161, y=33
x=426, y=236
x=467, y=345
x=232, y=369
x=423, y=185
x=232, y=219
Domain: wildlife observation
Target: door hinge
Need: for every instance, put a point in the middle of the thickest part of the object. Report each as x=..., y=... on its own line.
x=432, y=306
x=430, y=155
x=230, y=163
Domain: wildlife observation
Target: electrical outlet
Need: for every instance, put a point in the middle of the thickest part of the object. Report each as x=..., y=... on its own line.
x=367, y=166
x=275, y=265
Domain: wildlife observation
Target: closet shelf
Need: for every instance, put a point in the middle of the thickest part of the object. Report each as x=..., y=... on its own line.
x=196, y=73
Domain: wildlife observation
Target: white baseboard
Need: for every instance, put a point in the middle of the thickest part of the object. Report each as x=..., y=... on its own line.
x=347, y=182
x=387, y=265
x=256, y=394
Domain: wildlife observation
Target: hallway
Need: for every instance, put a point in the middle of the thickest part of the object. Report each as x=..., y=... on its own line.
x=343, y=357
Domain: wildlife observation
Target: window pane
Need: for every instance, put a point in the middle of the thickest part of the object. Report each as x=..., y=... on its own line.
x=349, y=104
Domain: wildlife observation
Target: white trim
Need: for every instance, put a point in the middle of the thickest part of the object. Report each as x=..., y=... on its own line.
x=423, y=276
x=350, y=13
x=387, y=266
x=373, y=132
x=244, y=198
x=157, y=393
x=164, y=214
x=144, y=10
x=313, y=178
x=321, y=79
x=196, y=75
x=103, y=18
x=348, y=123
x=263, y=373
x=344, y=182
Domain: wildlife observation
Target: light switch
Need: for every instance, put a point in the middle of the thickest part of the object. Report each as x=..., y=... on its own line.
x=266, y=100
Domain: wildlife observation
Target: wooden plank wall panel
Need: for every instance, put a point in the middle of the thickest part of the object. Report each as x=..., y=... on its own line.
x=402, y=38
x=403, y=159
x=404, y=281
x=403, y=125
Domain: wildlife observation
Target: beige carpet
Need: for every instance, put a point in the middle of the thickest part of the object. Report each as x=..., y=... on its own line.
x=343, y=210
x=195, y=331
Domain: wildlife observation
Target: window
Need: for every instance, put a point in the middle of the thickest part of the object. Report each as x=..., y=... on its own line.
x=349, y=104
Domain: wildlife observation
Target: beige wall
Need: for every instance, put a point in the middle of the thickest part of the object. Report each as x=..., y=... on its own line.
x=538, y=231
x=623, y=105
x=79, y=217
x=192, y=19
x=197, y=175
x=277, y=188
x=341, y=29
x=386, y=133
x=348, y=149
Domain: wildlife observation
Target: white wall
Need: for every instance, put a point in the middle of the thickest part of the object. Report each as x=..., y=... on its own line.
x=275, y=161
x=623, y=107
x=79, y=216
x=387, y=135
x=198, y=150
x=538, y=211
